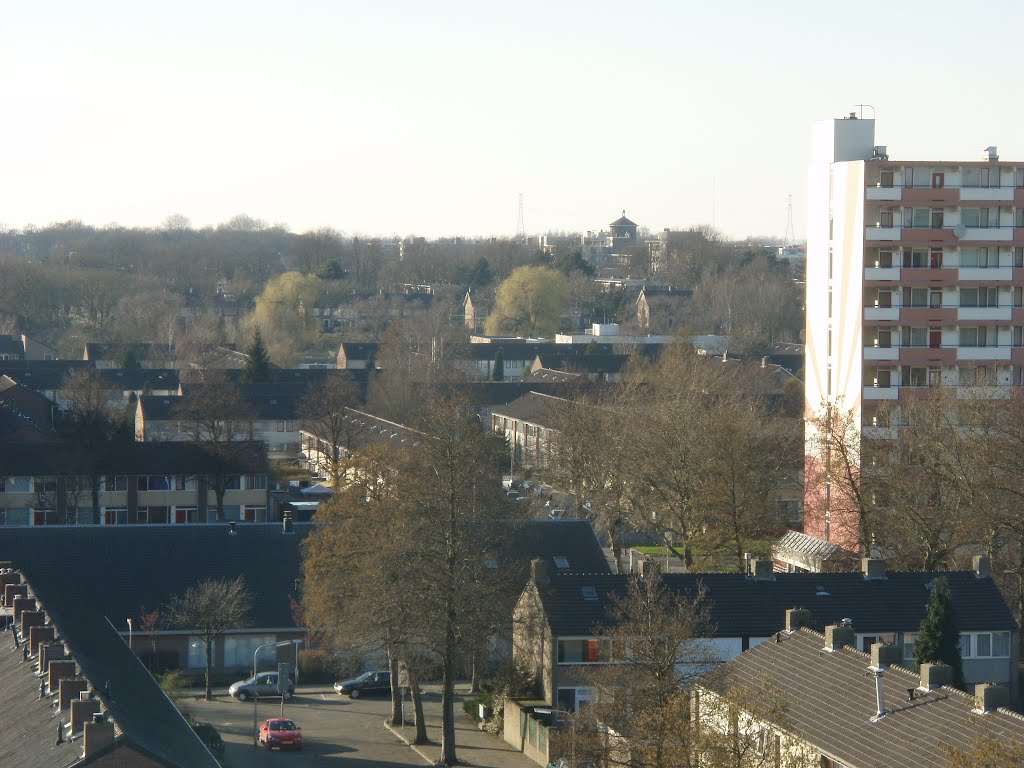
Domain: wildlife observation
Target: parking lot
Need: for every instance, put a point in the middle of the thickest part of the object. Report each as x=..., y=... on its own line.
x=333, y=728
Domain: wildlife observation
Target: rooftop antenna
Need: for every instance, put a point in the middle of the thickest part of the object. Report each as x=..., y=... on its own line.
x=790, y=239
x=861, y=108
x=520, y=224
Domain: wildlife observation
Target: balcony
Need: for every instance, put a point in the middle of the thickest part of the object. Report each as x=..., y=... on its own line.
x=911, y=315
x=983, y=353
x=881, y=393
x=986, y=235
x=881, y=273
x=985, y=274
x=881, y=353
x=892, y=314
x=986, y=194
x=984, y=313
x=933, y=197
x=929, y=356
x=892, y=194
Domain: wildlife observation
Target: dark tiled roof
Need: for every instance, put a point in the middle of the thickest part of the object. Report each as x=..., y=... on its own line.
x=123, y=458
x=42, y=375
x=11, y=346
x=623, y=221
x=360, y=350
x=550, y=375
x=139, y=379
x=529, y=352
x=533, y=407
x=741, y=606
x=142, y=350
x=830, y=701
x=573, y=540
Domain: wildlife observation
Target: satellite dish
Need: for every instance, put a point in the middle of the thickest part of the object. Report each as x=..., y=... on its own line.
x=959, y=230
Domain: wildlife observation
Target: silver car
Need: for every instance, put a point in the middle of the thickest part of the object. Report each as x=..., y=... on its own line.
x=262, y=686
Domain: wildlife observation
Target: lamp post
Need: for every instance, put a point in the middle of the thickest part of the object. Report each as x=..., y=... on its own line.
x=130, y=648
x=256, y=689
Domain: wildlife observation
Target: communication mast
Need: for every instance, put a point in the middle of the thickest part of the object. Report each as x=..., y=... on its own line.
x=790, y=240
x=520, y=224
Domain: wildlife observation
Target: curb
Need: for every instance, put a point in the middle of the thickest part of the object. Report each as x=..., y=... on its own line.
x=429, y=760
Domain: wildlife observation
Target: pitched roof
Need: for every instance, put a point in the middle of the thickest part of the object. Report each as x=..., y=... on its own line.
x=830, y=700
x=10, y=345
x=533, y=407
x=124, y=458
x=623, y=221
x=807, y=550
x=742, y=606
x=144, y=715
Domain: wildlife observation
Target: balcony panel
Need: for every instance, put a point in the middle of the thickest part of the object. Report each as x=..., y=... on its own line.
x=927, y=236
x=892, y=314
x=984, y=313
x=932, y=197
x=985, y=274
x=881, y=353
x=889, y=274
x=881, y=393
x=884, y=194
x=983, y=353
x=987, y=235
x=983, y=393
x=1017, y=355
x=928, y=276
x=986, y=195
x=875, y=234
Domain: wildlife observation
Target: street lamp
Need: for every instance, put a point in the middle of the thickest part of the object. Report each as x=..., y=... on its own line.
x=130, y=648
x=256, y=689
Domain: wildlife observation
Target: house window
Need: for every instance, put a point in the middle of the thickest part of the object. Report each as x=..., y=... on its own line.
x=985, y=645
x=44, y=486
x=571, y=699
x=280, y=426
x=154, y=483
x=915, y=297
x=239, y=650
x=916, y=258
x=185, y=515
x=977, y=376
x=183, y=483
x=156, y=515
x=909, y=641
x=252, y=514
x=977, y=337
x=980, y=177
x=582, y=651
x=232, y=482
x=197, y=652
x=256, y=482
x=915, y=377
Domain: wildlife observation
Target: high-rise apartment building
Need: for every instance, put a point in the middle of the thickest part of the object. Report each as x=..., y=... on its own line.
x=915, y=278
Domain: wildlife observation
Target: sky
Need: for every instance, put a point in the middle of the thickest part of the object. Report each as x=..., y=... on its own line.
x=398, y=117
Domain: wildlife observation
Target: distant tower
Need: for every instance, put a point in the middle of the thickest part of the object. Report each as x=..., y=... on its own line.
x=520, y=224
x=790, y=240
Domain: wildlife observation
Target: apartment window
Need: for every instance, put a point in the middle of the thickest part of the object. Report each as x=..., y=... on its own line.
x=1018, y=257
x=291, y=426
x=974, y=217
x=252, y=514
x=884, y=259
x=885, y=217
x=977, y=337
x=915, y=297
x=3, y=485
x=114, y=516
x=255, y=482
x=280, y=426
x=115, y=483
x=977, y=376
x=979, y=257
x=985, y=645
x=919, y=218
x=232, y=482
x=883, y=378
x=157, y=515
x=883, y=338
x=980, y=177
x=1018, y=336
x=886, y=179
x=154, y=483
x=979, y=297
x=184, y=483
x=915, y=337
x=44, y=485
x=883, y=298
x=915, y=377
x=937, y=218
x=186, y=514
x=915, y=257
x=1018, y=218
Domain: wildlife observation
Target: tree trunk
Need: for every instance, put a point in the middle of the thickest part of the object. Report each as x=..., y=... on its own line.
x=613, y=539
x=417, y=707
x=94, y=483
x=219, y=493
x=396, y=691
x=474, y=672
x=209, y=668
x=448, y=696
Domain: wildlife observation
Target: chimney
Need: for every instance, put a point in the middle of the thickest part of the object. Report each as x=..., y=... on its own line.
x=98, y=735
x=70, y=690
x=989, y=696
x=82, y=710
x=935, y=674
x=21, y=603
x=650, y=568
x=539, y=572
x=762, y=570
x=798, y=617
x=836, y=636
x=58, y=670
x=747, y=557
x=231, y=528
x=982, y=566
x=286, y=523
x=885, y=654
x=873, y=568
x=38, y=635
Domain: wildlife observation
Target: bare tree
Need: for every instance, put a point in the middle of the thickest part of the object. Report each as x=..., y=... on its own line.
x=210, y=608
x=325, y=413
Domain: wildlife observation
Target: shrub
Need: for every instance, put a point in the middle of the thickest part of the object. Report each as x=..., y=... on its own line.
x=317, y=665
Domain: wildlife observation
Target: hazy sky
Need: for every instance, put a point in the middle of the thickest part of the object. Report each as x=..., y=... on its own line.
x=431, y=117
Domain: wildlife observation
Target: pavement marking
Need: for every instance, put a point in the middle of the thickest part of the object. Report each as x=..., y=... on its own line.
x=322, y=696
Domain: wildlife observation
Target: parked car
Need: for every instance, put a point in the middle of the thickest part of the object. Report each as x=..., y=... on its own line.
x=278, y=733
x=210, y=737
x=367, y=684
x=264, y=684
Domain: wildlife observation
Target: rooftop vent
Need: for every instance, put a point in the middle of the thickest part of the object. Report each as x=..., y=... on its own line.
x=992, y=154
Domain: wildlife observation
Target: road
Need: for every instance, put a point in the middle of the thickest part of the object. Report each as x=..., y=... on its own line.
x=333, y=728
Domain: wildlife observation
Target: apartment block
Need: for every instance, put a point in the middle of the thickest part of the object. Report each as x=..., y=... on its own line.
x=915, y=278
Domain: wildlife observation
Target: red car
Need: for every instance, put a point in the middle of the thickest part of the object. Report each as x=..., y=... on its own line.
x=280, y=734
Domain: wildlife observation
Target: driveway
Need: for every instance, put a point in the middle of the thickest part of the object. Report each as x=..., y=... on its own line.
x=333, y=728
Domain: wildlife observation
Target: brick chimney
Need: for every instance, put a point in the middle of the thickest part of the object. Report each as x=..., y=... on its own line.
x=30, y=619
x=762, y=570
x=22, y=603
x=989, y=696
x=82, y=710
x=70, y=689
x=798, y=617
x=982, y=566
x=12, y=591
x=58, y=670
x=39, y=635
x=99, y=735
x=885, y=654
x=873, y=568
x=935, y=674
x=836, y=636
x=539, y=571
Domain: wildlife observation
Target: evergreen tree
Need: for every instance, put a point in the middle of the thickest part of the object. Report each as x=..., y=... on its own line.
x=498, y=371
x=257, y=367
x=938, y=638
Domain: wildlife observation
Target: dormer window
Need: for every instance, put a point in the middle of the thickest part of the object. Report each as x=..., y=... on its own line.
x=561, y=563
x=589, y=592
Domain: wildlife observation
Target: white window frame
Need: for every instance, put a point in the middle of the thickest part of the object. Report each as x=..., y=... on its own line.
x=971, y=649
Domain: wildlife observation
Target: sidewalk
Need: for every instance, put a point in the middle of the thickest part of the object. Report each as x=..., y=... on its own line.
x=473, y=747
